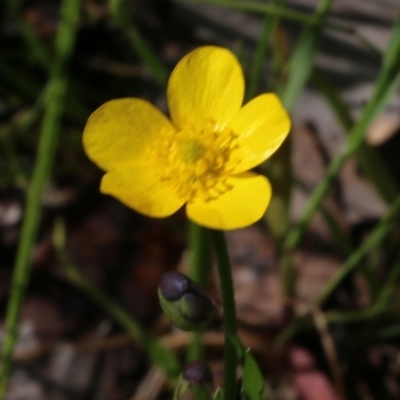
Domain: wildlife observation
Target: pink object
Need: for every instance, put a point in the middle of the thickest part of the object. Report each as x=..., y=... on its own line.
x=311, y=383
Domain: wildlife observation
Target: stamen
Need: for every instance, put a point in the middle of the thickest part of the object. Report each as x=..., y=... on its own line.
x=198, y=161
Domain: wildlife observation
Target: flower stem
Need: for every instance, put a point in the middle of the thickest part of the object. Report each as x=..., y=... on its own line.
x=228, y=302
x=200, y=254
x=200, y=262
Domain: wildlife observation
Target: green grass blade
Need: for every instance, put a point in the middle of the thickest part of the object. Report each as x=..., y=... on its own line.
x=376, y=237
x=387, y=84
x=300, y=66
x=265, y=9
x=301, y=62
x=291, y=15
x=372, y=165
x=269, y=26
x=148, y=57
x=47, y=145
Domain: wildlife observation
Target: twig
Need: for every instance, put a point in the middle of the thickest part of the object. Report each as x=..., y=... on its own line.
x=330, y=351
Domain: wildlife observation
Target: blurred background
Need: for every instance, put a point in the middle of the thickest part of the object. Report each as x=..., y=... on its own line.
x=320, y=310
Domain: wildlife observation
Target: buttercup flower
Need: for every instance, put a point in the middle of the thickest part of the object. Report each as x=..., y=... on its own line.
x=201, y=156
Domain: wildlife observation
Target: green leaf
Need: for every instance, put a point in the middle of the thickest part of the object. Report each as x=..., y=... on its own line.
x=253, y=381
x=219, y=394
x=301, y=62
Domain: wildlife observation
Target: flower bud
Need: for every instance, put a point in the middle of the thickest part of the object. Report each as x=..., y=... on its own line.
x=196, y=380
x=184, y=302
x=197, y=373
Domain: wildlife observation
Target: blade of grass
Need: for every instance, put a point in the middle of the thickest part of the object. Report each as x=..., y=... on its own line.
x=273, y=217
x=387, y=83
x=47, y=145
x=269, y=25
x=159, y=354
x=369, y=160
x=7, y=134
x=291, y=15
x=339, y=236
x=39, y=54
x=301, y=62
x=379, y=307
x=148, y=57
x=376, y=237
x=300, y=66
x=26, y=86
x=265, y=9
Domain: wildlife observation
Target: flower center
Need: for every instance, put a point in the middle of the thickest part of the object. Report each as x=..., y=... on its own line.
x=199, y=161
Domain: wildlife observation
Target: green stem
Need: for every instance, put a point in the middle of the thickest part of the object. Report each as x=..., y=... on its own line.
x=228, y=302
x=200, y=254
x=200, y=263
x=47, y=146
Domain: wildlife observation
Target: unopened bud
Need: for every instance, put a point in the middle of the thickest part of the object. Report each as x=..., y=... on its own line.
x=184, y=303
x=196, y=382
x=197, y=373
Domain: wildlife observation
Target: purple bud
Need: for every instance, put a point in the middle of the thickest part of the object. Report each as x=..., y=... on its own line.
x=197, y=373
x=173, y=285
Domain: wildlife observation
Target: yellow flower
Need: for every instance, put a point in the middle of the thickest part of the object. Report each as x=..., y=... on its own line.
x=201, y=156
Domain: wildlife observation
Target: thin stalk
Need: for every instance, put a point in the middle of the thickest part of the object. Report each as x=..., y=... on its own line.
x=373, y=311
x=372, y=165
x=301, y=62
x=200, y=263
x=291, y=15
x=269, y=26
x=200, y=254
x=148, y=57
x=40, y=54
x=300, y=67
x=376, y=237
x=273, y=10
x=339, y=236
x=228, y=302
x=47, y=146
x=276, y=215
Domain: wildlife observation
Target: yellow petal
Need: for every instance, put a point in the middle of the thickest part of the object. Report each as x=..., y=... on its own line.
x=139, y=186
x=262, y=125
x=121, y=130
x=243, y=205
x=207, y=83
